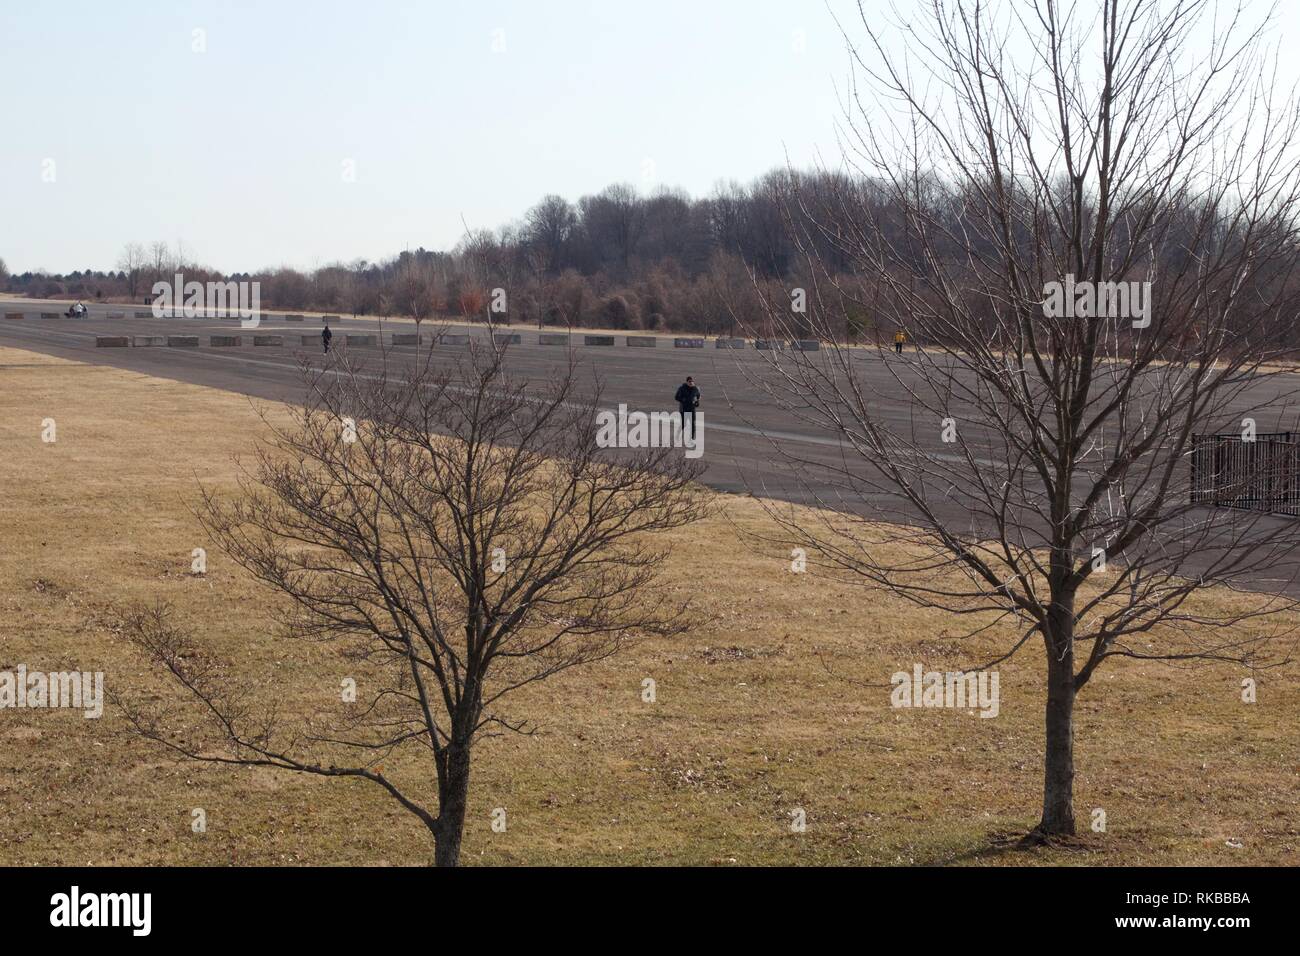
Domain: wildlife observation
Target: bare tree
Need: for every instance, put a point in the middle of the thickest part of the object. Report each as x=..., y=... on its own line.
x=479, y=256
x=132, y=263
x=451, y=537
x=161, y=258
x=614, y=220
x=1041, y=475
x=415, y=292
x=548, y=230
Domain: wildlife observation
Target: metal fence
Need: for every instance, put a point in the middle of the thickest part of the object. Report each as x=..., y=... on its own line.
x=1259, y=475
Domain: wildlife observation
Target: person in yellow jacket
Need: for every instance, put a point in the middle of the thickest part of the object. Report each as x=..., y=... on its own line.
x=899, y=338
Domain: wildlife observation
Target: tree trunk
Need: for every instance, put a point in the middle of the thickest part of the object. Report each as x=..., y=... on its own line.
x=453, y=788
x=1058, y=775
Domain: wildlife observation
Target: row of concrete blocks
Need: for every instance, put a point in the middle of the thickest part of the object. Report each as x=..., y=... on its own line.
x=15, y=316
x=641, y=341
x=264, y=316
x=771, y=345
x=234, y=341
x=412, y=338
x=216, y=341
x=500, y=338
x=650, y=341
x=267, y=316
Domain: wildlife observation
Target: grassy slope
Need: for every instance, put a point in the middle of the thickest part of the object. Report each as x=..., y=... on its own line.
x=763, y=708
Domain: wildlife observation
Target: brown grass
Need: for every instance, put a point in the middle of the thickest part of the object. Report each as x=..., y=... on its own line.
x=780, y=700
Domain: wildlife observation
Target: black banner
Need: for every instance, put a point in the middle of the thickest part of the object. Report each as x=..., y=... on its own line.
x=214, y=906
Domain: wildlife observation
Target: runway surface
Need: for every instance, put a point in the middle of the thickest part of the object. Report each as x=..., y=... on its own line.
x=739, y=424
x=745, y=432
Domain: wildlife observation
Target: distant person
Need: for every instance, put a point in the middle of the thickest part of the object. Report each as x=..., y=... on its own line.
x=325, y=337
x=899, y=338
x=688, y=400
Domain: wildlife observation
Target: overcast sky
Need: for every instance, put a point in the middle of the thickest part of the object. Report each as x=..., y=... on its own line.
x=119, y=122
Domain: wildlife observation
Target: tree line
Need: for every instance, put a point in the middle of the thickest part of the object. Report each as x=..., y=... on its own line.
x=666, y=261
x=614, y=259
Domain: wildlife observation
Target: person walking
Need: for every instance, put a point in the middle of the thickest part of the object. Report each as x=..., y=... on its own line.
x=325, y=337
x=688, y=400
x=899, y=338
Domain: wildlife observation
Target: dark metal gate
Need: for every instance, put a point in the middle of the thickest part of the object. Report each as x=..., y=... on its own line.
x=1259, y=475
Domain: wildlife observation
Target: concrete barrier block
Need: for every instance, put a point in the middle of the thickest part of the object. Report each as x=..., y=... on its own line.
x=183, y=341
x=688, y=343
x=293, y=318
x=806, y=345
x=112, y=341
x=407, y=338
x=313, y=340
x=642, y=341
x=13, y=316
x=225, y=341
x=361, y=340
x=149, y=341
x=330, y=318
x=49, y=315
x=769, y=345
x=268, y=339
x=552, y=338
x=117, y=315
x=729, y=343
x=506, y=338
x=144, y=315
x=448, y=338
x=598, y=340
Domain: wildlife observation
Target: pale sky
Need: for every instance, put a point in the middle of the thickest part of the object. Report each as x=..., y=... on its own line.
x=239, y=151
x=238, y=139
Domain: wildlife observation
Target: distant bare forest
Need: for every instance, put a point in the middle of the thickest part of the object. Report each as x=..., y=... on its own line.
x=659, y=262
x=614, y=259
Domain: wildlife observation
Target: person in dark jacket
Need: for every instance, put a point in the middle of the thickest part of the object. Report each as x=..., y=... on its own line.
x=325, y=337
x=688, y=400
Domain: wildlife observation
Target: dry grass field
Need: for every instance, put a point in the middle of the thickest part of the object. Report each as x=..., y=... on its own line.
x=778, y=700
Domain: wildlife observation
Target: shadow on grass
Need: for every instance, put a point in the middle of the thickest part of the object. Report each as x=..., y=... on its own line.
x=1023, y=849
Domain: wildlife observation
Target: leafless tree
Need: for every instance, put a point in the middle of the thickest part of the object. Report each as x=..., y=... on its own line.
x=1038, y=469
x=467, y=542
x=614, y=220
x=415, y=293
x=161, y=258
x=548, y=229
x=131, y=264
x=479, y=256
